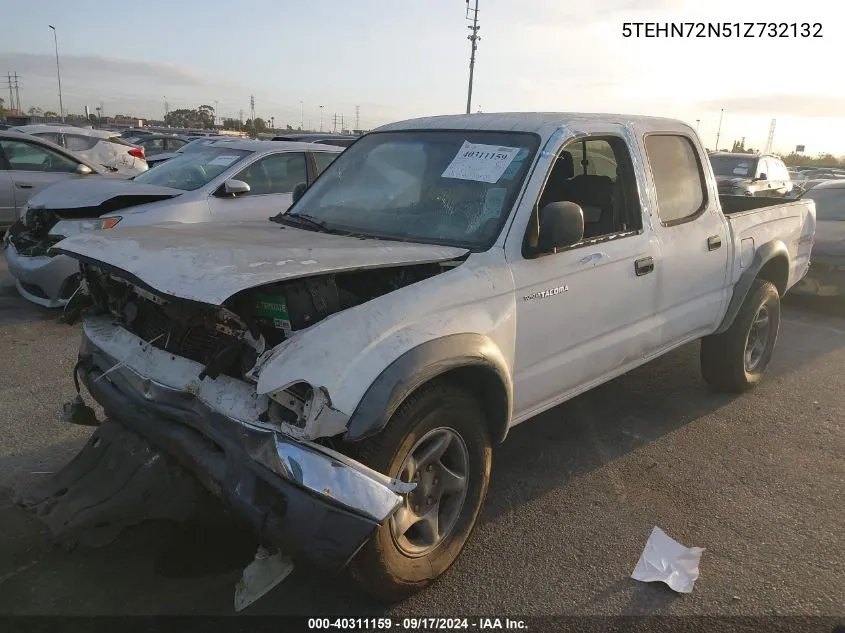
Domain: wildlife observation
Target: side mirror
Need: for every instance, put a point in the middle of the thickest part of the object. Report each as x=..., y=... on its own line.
x=299, y=191
x=561, y=225
x=83, y=170
x=236, y=187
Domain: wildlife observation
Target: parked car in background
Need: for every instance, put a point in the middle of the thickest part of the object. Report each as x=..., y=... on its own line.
x=750, y=175
x=826, y=277
x=29, y=164
x=824, y=173
x=196, y=145
x=234, y=180
x=340, y=140
x=155, y=144
x=104, y=148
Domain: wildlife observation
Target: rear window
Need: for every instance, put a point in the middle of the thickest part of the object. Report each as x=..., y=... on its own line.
x=80, y=143
x=118, y=141
x=323, y=160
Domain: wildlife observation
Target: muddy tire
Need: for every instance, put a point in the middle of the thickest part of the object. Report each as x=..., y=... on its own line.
x=438, y=438
x=736, y=360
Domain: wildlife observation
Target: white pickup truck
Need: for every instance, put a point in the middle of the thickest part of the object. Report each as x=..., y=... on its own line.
x=341, y=375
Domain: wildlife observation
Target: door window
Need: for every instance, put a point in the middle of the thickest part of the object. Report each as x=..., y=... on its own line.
x=153, y=146
x=678, y=177
x=53, y=137
x=598, y=175
x=23, y=156
x=80, y=143
x=172, y=144
x=277, y=173
x=323, y=160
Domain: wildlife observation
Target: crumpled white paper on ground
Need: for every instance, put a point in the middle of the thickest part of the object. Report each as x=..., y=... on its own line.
x=666, y=560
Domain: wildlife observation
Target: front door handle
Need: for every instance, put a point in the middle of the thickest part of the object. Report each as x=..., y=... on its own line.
x=644, y=266
x=23, y=185
x=714, y=242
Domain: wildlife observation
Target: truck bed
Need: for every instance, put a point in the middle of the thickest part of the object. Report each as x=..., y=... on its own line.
x=740, y=204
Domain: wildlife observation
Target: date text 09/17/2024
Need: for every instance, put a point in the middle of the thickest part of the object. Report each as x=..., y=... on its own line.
x=416, y=624
x=722, y=29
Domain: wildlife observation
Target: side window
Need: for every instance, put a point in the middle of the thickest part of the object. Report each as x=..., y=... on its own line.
x=153, y=146
x=598, y=175
x=80, y=143
x=277, y=173
x=173, y=144
x=23, y=156
x=678, y=178
x=53, y=137
x=323, y=160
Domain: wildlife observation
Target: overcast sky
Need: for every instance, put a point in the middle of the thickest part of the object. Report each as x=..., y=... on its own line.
x=402, y=59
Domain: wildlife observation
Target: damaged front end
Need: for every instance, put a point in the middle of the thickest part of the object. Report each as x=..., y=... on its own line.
x=182, y=375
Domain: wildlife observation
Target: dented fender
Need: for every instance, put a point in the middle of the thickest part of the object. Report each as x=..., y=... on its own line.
x=343, y=356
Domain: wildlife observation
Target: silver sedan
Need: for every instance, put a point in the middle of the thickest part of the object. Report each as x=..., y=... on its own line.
x=233, y=180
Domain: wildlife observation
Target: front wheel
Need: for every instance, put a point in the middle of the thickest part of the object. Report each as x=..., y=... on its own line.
x=735, y=360
x=438, y=439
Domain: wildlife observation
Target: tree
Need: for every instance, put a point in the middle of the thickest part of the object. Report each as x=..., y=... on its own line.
x=206, y=115
x=232, y=124
x=2, y=107
x=50, y=113
x=34, y=111
x=260, y=125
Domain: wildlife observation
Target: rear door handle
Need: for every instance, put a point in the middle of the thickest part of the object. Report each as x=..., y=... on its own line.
x=714, y=242
x=23, y=185
x=644, y=266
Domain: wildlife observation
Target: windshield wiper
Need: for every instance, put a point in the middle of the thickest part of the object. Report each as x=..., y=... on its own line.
x=300, y=219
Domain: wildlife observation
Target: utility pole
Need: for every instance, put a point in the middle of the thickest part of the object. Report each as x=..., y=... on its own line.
x=241, y=114
x=321, y=118
x=18, y=94
x=11, y=91
x=697, y=121
x=335, y=122
x=771, y=138
x=719, y=131
x=58, y=73
x=102, y=111
x=301, y=116
x=473, y=38
x=357, y=117
x=252, y=108
x=166, y=110
x=342, y=126
x=216, y=116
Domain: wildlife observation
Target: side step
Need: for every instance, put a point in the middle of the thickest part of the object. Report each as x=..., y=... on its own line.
x=117, y=480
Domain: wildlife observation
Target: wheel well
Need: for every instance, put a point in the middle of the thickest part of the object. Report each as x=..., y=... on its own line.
x=486, y=385
x=776, y=270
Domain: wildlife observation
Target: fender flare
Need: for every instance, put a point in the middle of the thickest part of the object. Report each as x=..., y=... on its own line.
x=420, y=365
x=766, y=253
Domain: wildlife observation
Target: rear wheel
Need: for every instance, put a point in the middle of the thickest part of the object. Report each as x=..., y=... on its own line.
x=439, y=440
x=735, y=360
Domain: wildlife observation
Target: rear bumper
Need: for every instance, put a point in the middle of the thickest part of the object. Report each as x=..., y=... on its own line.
x=46, y=281
x=317, y=505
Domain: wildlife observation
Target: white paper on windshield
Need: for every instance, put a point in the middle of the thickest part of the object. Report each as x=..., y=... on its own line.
x=741, y=171
x=224, y=160
x=482, y=163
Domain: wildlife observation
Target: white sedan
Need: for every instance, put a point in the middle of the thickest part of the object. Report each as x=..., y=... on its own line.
x=98, y=146
x=232, y=180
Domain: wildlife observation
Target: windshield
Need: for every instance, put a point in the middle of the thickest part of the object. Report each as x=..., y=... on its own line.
x=453, y=188
x=830, y=203
x=192, y=171
x=736, y=166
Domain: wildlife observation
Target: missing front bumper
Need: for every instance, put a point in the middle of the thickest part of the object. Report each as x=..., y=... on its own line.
x=319, y=505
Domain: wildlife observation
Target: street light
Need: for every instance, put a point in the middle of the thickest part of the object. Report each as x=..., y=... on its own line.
x=58, y=73
x=321, y=118
x=301, y=116
x=719, y=131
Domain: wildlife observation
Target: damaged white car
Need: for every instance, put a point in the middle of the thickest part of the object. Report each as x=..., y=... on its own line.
x=341, y=375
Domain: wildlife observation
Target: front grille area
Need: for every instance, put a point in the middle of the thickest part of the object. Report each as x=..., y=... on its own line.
x=198, y=342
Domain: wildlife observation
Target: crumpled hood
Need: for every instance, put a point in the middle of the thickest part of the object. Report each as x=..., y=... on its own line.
x=92, y=192
x=210, y=262
x=829, y=239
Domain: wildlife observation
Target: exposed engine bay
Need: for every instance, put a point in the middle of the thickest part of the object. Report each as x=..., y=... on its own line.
x=229, y=339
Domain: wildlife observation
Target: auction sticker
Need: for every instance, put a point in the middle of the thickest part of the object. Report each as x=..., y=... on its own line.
x=482, y=163
x=225, y=161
